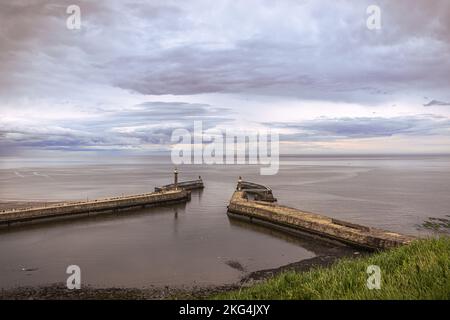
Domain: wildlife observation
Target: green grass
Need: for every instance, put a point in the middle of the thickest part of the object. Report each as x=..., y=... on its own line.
x=417, y=271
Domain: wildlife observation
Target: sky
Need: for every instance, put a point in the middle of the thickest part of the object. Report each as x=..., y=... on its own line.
x=312, y=70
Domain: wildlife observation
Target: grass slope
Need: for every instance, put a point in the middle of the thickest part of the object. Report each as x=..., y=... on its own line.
x=417, y=271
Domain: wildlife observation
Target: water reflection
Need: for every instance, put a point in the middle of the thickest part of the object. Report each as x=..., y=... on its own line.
x=317, y=246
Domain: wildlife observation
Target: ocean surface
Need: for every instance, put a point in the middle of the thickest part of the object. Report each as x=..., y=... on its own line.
x=196, y=243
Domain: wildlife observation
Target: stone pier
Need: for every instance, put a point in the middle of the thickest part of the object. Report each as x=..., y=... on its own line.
x=9, y=217
x=306, y=223
x=174, y=193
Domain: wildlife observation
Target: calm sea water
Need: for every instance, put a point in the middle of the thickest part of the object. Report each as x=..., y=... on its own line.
x=193, y=243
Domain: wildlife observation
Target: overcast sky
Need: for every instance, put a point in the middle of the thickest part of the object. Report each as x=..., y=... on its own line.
x=137, y=70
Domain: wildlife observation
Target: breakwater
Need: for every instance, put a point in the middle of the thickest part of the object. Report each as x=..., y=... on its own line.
x=169, y=194
x=244, y=206
x=114, y=204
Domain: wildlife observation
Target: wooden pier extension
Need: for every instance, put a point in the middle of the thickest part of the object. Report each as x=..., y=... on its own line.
x=301, y=222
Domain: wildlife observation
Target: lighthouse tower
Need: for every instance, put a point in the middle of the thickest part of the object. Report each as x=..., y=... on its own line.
x=175, y=178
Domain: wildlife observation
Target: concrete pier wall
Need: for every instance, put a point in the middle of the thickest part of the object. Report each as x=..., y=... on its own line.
x=100, y=205
x=314, y=224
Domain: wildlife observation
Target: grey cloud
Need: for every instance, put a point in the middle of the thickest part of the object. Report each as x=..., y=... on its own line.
x=309, y=49
x=175, y=111
x=146, y=123
x=329, y=129
x=333, y=64
x=51, y=138
x=436, y=103
x=163, y=115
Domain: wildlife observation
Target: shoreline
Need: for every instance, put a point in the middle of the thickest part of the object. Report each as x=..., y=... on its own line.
x=58, y=291
x=418, y=271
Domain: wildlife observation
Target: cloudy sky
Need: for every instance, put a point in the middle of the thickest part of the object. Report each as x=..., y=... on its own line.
x=312, y=70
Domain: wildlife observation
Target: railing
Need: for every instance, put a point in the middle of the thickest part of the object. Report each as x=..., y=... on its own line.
x=260, y=191
x=184, y=184
x=80, y=202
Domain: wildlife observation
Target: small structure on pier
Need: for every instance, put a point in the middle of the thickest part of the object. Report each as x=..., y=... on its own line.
x=185, y=185
x=259, y=192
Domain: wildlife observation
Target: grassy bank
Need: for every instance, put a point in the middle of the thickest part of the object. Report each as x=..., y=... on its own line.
x=417, y=271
